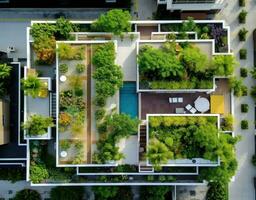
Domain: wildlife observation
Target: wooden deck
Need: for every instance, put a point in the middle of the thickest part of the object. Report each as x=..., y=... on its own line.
x=158, y=103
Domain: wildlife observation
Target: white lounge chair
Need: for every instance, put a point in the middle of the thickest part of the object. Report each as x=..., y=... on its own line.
x=188, y=107
x=193, y=110
x=170, y=100
x=180, y=100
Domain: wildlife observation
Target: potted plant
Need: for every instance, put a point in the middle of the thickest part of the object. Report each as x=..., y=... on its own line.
x=37, y=125
x=32, y=85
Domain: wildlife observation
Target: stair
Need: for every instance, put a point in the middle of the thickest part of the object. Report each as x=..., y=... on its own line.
x=143, y=141
x=53, y=112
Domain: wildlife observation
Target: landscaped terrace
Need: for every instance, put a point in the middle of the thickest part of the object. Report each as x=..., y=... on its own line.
x=173, y=66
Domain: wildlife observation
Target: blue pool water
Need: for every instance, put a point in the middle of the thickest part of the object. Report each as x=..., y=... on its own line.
x=129, y=99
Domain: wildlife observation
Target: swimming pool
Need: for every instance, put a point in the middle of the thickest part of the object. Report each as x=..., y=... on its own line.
x=129, y=99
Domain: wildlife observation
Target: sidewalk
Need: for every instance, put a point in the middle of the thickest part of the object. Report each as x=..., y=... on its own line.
x=242, y=188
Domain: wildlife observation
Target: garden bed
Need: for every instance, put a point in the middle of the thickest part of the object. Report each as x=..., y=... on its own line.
x=73, y=104
x=183, y=140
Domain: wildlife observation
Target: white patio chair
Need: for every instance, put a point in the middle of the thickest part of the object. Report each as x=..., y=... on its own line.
x=188, y=107
x=170, y=100
x=180, y=99
x=175, y=100
x=193, y=110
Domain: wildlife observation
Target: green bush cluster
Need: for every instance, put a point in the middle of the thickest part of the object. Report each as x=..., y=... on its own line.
x=45, y=36
x=112, y=130
x=243, y=54
x=63, y=68
x=242, y=17
x=243, y=72
x=108, y=76
x=227, y=123
x=115, y=21
x=244, y=108
x=169, y=135
x=80, y=68
x=242, y=34
x=217, y=191
x=71, y=52
x=238, y=87
x=244, y=124
x=181, y=66
x=27, y=194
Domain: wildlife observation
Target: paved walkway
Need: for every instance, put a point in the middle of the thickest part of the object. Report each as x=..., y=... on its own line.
x=242, y=187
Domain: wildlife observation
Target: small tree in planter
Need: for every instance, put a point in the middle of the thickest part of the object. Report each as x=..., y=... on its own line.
x=237, y=85
x=242, y=34
x=37, y=125
x=243, y=72
x=242, y=17
x=244, y=124
x=243, y=54
x=253, y=92
x=32, y=85
x=242, y=3
x=244, y=108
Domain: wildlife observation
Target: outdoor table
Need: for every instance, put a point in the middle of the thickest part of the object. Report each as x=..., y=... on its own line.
x=202, y=104
x=63, y=78
x=63, y=154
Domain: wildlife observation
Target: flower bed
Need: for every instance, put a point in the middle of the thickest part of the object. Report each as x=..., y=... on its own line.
x=72, y=118
x=214, y=31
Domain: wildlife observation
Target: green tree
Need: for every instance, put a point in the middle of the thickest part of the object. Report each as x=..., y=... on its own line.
x=67, y=193
x=27, y=194
x=32, y=85
x=154, y=192
x=5, y=71
x=158, y=153
x=38, y=173
x=124, y=193
x=37, y=124
x=157, y=63
x=194, y=59
x=217, y=191
x=105, y=192
x=116, y=21
x=63, y=28
x=223, y=65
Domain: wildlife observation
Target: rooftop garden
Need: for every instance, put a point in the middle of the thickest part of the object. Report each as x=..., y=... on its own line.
x=180, y=66
x=73, y=103
x=214, y=31
x=187, y=137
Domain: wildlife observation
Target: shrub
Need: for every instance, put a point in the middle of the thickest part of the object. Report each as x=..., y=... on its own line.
x=253, y=73
x=238, y=87
x=227, y=124
x=242, y=34
x=32, y=85
x=75, y=81
x=63, y=68
x=44, y=48
x=244, y=108
x=243, y=72
x=244, y=91
x=38, y=173
x=100, y=100
x=154, y=192
x=37, y=125
x=224, y=65
x=104, y=55
x=100, y=113
x=244, y=124
x=63, y=28
x=243, y=54
x=242, y=3
x=71, y=52
x=80, y=67
x=116, y=21
x=253, y=92
x=67, y=193
x=64, y=119
x=65, y=144
x=105, y=192
x=79, y=91
x=5, y=71
x=27, y=194
x=254, y=160
x=242, y=17
x=217, y=191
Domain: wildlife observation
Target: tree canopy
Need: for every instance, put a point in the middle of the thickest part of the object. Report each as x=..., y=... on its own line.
x=67, y=193
x=154, y=192
x=105, y=192
x=27, y=194
x=115, y=21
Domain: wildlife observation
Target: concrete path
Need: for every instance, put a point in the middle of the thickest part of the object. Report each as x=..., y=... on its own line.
x=242, y=188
